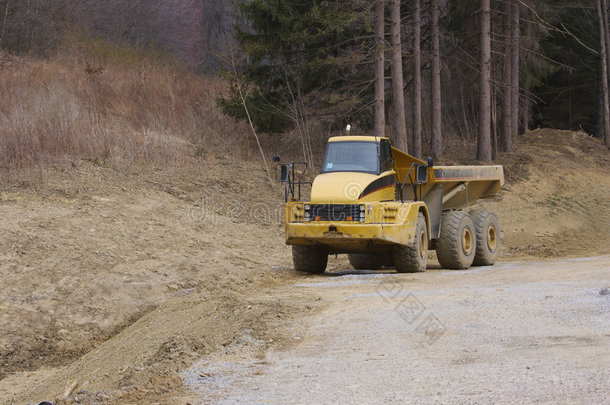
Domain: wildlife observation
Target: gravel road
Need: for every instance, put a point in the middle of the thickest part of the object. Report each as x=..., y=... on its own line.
x=516, y=332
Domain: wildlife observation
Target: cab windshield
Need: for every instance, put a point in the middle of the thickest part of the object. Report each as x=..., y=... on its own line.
x=351, y=156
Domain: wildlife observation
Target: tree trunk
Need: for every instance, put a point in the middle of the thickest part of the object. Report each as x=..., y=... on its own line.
x=604, y=6
x=398, y=98
x=525, y=106
x=258, y=142
x=604, y=73
x=514, y=64
x=600, y=108
x=417, y=80
x=436, y=144
x=5, y=19
x=391, y=106
x=484, y=142
x=379, y=69
x=494, y=123
x=506, y=143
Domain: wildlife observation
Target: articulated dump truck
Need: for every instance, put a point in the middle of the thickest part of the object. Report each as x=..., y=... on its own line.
x=384, y=207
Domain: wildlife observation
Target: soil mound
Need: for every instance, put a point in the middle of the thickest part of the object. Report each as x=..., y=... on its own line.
x=557, y=197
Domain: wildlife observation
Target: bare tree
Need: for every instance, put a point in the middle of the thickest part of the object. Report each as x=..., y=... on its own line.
x=417, y=79
x=515, y=32
x=379, y=69
x=4, y=21
x=484, y=141
x=606, y=29
x=36, y=26
x=507, y=105
x=603, y=46
x=240, y=86
x=398, y=98
x=436, y=145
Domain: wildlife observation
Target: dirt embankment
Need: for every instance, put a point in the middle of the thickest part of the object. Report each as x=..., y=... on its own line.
x=556, y=202
x=114, y=280
x=89, y=250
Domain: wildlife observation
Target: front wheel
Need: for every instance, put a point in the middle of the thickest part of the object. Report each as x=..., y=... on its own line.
x=413, y=258
x=309, y=258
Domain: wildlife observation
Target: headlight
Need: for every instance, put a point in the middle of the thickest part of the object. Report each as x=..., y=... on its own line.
x=307, y=207
x=362, y=208
x=306, y=214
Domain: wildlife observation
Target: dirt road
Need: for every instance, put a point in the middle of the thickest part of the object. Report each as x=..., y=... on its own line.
x=518, y=332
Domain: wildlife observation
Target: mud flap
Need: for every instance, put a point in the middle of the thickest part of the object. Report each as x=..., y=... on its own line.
x=434, y=202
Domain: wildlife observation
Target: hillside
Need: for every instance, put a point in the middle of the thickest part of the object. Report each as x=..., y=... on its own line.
x=557, y=200
x=117, y=279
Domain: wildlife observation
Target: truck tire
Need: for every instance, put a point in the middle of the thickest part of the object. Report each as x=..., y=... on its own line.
x=309, y=258
x=456, y=246
x=413, y=259
x=366, y=261
x=487, y=231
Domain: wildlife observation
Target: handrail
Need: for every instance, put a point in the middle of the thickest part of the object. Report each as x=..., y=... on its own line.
x=413, y=183
x=291, y=182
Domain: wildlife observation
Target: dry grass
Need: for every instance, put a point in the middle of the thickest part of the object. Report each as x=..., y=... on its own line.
x=97, y=102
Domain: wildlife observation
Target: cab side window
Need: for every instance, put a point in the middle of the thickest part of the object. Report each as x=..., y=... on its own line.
x=385, y=156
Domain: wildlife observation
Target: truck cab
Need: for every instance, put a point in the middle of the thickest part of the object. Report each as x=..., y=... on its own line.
x=356, y=168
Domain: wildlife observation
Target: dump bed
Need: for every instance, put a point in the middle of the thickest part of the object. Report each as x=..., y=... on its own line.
x=464, y=185
x=457, y=186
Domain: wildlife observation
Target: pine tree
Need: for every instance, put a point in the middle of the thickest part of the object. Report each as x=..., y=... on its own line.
x=305, y=60
x=437, y=117
x=398, y=98
x=484, y=140
x=417, y=83
x=515, y=35
x=380, y=68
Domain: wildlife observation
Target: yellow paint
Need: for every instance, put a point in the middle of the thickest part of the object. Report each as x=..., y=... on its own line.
x=385, y=223
x=361, y=138
x=346, y=187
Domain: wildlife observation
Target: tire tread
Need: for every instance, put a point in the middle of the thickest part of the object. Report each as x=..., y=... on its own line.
x=483, y=257
x=448, y=246
x=406, y=258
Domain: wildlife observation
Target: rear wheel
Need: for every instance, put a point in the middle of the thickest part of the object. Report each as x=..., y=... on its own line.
x=366, y=261
x=413, y=259
x=309, y=258
x=456, y=246
x=487, y=230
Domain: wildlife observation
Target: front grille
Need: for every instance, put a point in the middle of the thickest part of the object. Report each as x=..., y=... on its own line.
x=335, y=212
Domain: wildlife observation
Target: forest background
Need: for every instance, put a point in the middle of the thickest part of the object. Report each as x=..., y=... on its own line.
x=156, y=80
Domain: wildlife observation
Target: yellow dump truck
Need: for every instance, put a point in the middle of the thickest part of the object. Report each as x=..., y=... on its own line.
x=384, y=207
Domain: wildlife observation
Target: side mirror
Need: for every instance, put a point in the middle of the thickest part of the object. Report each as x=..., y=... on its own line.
x=284, y=173
x=430, y=161
x=275, y=158
x=422, y=174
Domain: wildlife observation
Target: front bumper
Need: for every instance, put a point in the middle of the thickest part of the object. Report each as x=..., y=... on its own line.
x=386, y=224
x=344, y=237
